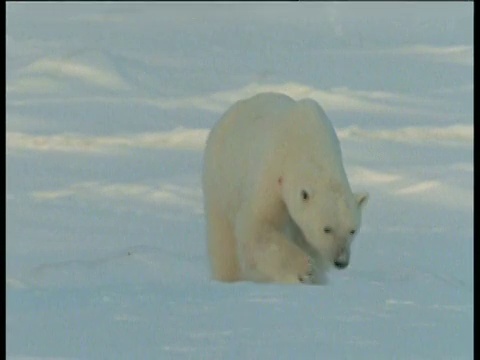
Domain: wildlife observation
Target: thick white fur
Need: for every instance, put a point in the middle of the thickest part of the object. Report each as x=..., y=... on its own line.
x=259, y=157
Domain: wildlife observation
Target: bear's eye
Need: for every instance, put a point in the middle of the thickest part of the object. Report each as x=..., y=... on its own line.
x=305, y=195
x=352, y=232
x=327, y=229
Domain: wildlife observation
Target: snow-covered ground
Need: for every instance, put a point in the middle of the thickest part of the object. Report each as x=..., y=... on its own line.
x=108, y=109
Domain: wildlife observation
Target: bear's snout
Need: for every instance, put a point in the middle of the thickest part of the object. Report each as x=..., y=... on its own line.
x=340, y=265
x=342, y=260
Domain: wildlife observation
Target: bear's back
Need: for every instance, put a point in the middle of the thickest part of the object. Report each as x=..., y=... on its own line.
x=256, y=111
x=245, y=130
x=237, y=144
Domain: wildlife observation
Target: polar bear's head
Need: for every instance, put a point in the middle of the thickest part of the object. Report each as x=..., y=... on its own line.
x=327, y=213
x=314, y=185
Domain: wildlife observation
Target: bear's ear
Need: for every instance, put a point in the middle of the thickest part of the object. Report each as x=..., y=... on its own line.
x=362, y=199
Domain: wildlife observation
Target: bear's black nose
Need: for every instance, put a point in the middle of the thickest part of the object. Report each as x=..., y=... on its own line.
x=340, y=264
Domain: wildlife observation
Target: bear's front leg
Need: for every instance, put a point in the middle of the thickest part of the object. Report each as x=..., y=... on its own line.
x=316, y=270
x=315, y=275
x=267, y=255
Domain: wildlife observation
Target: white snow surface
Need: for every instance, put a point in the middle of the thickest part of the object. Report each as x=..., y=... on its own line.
x=108, y=107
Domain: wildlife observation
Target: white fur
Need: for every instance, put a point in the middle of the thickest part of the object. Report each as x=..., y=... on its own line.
x=259, y=157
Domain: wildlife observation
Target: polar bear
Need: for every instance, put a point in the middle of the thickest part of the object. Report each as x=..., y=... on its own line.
x=277, y=201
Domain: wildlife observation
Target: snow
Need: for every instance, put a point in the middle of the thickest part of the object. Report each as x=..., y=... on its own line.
x=108, y=108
